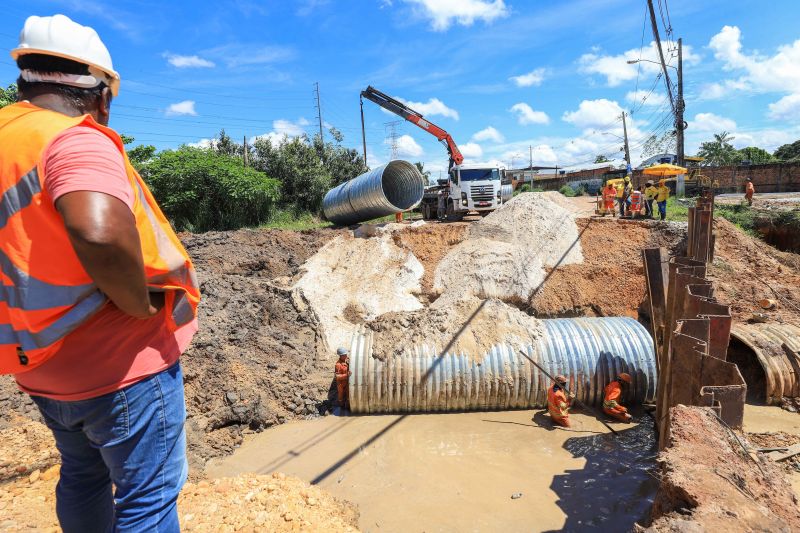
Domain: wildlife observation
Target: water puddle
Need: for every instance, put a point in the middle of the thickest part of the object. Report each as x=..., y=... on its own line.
x=458, y=472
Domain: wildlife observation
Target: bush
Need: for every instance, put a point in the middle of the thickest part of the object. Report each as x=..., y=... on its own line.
x=568, y=191
x=200, y=190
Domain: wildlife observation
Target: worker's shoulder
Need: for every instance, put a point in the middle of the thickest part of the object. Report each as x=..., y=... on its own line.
x=81, y=139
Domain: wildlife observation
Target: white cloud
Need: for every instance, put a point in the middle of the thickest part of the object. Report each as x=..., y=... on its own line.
x=779, y=73
x=434, y=106
x=600, y=113
x=202, y=143
x=532, y=78
x=284, y=129
x=442, y=13
x=194, y=61
x=526, y=115
x=644, y=98
x=616, y=70
x=407, y=146
x=489, y=134
x=709, y=122
x=787, y=108
x=471, y=150
x=237, y=55
x=181, y=108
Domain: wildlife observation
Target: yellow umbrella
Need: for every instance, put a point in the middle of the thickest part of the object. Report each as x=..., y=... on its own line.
x=664, y=169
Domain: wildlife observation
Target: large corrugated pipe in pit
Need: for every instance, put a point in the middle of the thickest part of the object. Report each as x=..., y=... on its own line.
x=391, y=188
x=590, y=352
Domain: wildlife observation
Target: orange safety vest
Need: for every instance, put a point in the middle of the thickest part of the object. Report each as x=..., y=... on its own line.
x=612, y=393
x=636, y=201
x=555, y=399
x=45, y=293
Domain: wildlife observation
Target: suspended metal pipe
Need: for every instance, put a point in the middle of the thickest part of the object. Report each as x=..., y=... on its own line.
x=388, y=189
x=590, y=352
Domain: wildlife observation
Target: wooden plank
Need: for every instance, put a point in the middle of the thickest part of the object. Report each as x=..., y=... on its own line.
x=793, y=450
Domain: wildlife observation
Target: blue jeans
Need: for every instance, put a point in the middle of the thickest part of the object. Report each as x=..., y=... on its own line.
x=662, y=209
x=133, y=438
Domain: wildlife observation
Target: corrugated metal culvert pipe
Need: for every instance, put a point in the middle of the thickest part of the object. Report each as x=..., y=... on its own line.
x=588, y=351
x=391, y=188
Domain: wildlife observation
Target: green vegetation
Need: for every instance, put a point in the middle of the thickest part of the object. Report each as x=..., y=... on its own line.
x=8, y=95
x=287, y=219
x=756, y=155
x=788, y=152
x=740, y=215
x=569, y=191
x=676, y=211
x=201, y=191
x=720, y=151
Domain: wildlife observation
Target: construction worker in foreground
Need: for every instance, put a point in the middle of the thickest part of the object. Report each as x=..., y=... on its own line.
x=99, y=296
x=749, y=191
x=650, y=194
x=662, y=197
x=342, y=374
x=636, y=201
x=558, y=402
x=609, y=193
x=613, y=393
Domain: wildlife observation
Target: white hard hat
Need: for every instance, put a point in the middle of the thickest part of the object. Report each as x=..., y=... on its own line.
x=59, y=36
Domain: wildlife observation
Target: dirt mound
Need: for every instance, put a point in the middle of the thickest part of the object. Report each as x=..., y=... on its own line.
x=504, y=254
x=747, y=270
x=469, y=326
x=365, y=276
x=258, y=358
x=429, y=244
x=709, y=484
x=610, y=281
x=29, y=471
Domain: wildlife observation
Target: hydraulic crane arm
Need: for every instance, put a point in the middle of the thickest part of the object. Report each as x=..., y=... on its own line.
x=399, y=108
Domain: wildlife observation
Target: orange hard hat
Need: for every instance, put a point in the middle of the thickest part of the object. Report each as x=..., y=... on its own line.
x=561, y=379
x=625, y=377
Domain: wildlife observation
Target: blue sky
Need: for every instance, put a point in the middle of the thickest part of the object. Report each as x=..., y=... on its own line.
x=499, y=75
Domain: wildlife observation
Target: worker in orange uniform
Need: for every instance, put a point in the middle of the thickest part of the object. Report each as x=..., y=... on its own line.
x=609, y=193
x=342, y=372
x=613, y=393
x=398, y=217
x=749, y=191
x=558, y=402
x=636, y=202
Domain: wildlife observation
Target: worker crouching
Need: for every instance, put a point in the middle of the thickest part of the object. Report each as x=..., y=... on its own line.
x=558, y=402
x=342, y=374
x=613, y=393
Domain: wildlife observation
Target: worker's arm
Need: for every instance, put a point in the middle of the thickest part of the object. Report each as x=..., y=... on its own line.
x=103, y=233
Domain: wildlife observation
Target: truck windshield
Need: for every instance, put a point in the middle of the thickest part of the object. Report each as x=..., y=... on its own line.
x=475, y=174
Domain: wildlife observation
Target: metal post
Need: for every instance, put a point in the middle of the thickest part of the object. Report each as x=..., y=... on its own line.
x=319, y=113
x=363, y=132
x=627, y=149
x=680, y=183
x=661, y=54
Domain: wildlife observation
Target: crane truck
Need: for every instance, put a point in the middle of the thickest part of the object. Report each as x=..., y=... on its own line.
x=467, y=188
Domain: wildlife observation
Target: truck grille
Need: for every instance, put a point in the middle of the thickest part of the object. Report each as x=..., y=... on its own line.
x=486, y=196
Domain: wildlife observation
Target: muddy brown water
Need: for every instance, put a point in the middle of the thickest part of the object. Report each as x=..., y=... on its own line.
x=458, y=472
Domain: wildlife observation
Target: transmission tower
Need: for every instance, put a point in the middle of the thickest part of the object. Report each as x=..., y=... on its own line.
x=391, y=136
x=319, y=111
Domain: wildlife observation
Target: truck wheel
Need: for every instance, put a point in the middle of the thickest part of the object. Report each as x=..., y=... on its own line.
x=452, y=214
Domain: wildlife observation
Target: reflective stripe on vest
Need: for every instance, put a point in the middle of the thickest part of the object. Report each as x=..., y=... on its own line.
x=18, y=196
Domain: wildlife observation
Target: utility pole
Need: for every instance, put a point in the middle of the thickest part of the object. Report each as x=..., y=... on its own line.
x=319, y=112
x=661, y=54
x=363, y=131
x=530, y=152
x=244, y=152
x=680, y=107
x=625, y=136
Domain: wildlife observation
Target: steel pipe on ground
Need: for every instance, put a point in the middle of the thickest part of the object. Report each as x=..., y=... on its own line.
x=588, y=351
x=391, y=188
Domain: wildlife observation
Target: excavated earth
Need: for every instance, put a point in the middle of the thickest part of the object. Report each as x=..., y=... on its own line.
x=263, y=355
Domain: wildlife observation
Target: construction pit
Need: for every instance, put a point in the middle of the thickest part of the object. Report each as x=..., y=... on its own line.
x=450, y=301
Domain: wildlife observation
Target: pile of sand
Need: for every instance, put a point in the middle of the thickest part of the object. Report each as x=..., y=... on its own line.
x=468, y=325
x=505, y=254
x=353, y=279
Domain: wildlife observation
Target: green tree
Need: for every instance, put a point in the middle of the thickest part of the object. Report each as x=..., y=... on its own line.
x=756, y=155
x=8, y=95
x=601, y=159
x=425, y=173
x=720, y=151
x=201, y=190
x=788, y=152
x=139, y=155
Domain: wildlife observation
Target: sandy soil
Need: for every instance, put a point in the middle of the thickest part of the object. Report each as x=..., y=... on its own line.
x=709, y=484
x=29, y=471
x=430, y=243
x=459, y=472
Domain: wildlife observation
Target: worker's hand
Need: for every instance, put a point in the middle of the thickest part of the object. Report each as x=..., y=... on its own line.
x=102, y=231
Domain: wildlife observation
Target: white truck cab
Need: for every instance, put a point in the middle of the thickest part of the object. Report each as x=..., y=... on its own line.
x=475, y=188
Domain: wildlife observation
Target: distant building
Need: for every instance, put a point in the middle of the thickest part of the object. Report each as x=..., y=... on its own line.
x=657, y=160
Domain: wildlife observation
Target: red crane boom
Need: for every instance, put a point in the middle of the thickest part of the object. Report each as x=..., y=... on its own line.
x=399, y=108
